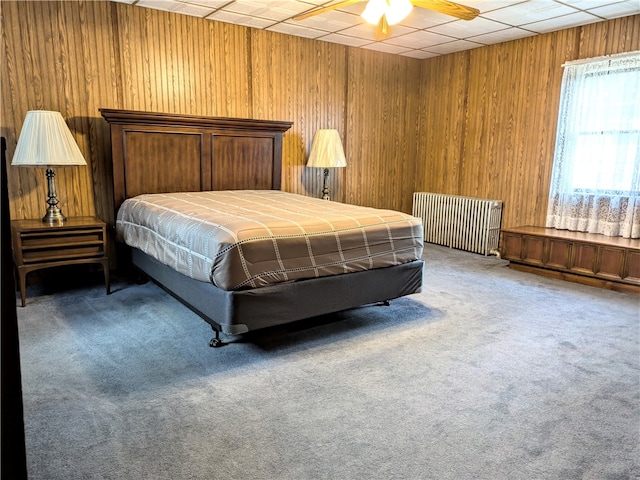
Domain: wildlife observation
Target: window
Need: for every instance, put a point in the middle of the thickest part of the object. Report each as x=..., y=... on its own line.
x=595, y=184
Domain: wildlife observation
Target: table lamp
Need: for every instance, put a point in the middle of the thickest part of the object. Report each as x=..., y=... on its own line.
x=326, y=152
x=46, y=141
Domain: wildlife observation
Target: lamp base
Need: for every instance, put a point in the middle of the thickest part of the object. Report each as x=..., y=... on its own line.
x=325, y=187
x=54, y=216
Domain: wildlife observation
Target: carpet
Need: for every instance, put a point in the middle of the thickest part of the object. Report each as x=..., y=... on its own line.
x=488, y=373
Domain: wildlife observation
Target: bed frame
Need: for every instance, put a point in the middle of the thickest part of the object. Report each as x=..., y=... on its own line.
x=159, y=153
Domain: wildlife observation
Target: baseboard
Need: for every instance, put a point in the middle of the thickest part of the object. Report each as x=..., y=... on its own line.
x=584, y=280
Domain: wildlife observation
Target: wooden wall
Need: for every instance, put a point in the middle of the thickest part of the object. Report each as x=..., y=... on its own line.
x=382, y=129
x=489, y=115
x=479, y=123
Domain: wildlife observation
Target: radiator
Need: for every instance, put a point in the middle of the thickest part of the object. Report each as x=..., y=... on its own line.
x=464, y=223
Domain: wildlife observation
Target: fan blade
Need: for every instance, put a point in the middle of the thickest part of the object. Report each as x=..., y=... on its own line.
x=448, y=8
x=383, y=29
x=318, y=11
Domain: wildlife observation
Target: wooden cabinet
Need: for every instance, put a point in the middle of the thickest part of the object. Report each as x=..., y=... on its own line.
x=610, y=262
x=38, y=245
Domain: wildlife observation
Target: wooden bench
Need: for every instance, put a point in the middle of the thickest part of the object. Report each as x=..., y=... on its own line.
x=588, y=258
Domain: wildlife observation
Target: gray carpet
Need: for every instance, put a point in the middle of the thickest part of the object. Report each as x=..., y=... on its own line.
x=488, y=373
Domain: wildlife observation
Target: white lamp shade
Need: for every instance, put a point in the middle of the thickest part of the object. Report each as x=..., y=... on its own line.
x=326, y=150
x=46, y=141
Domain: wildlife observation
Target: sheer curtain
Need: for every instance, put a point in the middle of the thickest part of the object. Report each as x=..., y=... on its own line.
x=595, y=183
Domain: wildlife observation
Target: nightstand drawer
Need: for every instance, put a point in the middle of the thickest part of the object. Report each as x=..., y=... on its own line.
x=43, y=247
x=62, y=252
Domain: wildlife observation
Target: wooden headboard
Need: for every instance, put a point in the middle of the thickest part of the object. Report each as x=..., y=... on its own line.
x=162, y=152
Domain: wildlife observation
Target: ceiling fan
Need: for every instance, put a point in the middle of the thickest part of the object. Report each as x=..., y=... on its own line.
x=384, y=13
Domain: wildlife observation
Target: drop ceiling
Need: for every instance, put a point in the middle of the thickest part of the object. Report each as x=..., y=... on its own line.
x=423, y=34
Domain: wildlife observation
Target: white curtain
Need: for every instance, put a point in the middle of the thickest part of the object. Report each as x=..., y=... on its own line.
x=595, y=184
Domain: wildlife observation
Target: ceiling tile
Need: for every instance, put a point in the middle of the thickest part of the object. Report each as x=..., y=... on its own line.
x=488, y=5
x=345, y=40
x=296, y=30
x=270, y=9
x=452, y=47
x=566, y=21
x=331, y=21
x=587, y=4
x=206, y=3
x=506, y=35
x=466, y=28
x=367, y=32
x=355, y=9
x=419, y=39
x=176, y=7
x=239, y=19
x=424, y=18
x=420, y=54
x=529, y=12
x=386, y=47
x=615, y=10
x=424, y=33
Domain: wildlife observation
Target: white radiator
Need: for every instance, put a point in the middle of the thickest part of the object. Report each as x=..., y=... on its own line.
x=464, y=223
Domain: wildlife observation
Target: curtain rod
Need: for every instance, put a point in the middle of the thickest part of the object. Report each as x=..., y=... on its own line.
x=602, y=58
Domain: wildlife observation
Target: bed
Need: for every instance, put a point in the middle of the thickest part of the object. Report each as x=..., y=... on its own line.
x=199, y=210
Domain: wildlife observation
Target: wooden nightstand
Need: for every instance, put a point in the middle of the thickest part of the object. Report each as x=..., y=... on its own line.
x=38, y=245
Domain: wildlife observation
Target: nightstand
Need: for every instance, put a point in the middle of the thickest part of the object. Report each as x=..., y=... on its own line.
x=38, y=245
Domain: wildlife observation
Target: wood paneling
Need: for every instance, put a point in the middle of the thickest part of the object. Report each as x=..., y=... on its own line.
x=180, y=64
x=443, y=95
x=303, y=81
x=480, y=122
x=58, y=56
x=489, y=115
x=382, y=129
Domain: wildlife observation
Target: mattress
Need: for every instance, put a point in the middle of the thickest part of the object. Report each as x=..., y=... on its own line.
x=240, y=239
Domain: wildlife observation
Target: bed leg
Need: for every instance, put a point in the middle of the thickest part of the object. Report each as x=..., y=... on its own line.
x=215, y=342
x=382, y=303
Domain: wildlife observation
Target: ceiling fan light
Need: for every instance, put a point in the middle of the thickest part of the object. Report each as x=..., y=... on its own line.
x=374, y=10
x=398, y=11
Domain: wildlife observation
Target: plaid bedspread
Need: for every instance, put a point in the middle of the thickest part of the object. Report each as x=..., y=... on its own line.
x=251, y=238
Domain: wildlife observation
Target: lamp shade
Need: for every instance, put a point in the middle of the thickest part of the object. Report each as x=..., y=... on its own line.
x=46, y=141
x=326, y=150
